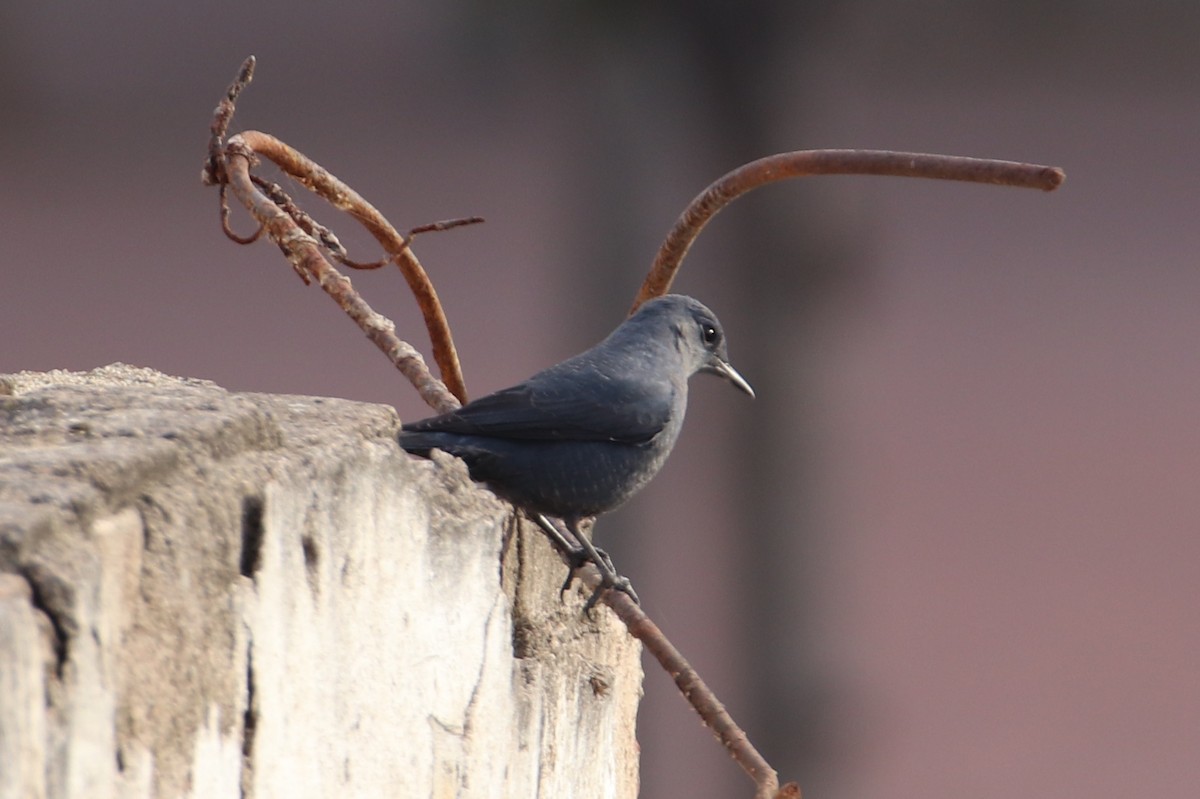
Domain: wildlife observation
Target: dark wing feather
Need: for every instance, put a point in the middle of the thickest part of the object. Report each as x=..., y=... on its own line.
x=564, y=405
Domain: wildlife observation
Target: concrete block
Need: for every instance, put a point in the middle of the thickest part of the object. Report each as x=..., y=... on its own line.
x=211, y=594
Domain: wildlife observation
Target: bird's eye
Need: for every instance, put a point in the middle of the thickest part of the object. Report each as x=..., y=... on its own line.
x=711, y=336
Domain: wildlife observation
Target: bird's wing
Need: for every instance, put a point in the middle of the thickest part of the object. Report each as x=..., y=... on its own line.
x=573, y=407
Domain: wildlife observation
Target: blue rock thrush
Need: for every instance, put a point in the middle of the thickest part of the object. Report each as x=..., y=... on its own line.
x=580, y=438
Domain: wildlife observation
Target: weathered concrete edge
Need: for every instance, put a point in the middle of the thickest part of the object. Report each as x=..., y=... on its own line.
x=367, y=647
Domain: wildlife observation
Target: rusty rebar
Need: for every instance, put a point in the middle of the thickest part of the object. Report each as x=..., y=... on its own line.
x=313, y=176
x=802, y=163
x=304, y=254
x=320, y=181
x=695, y=691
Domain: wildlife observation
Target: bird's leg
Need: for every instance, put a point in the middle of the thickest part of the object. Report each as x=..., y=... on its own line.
x=581, y=553
x=608, y=573
x=575, y=552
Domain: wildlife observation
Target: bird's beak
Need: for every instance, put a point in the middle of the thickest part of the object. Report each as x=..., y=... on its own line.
x=721, y=367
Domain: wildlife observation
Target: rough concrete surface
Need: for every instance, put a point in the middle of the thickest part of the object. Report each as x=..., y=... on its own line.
x=209, y=594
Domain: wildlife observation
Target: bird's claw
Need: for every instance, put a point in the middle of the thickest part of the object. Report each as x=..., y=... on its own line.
x=562, y=592
x=609, y=578
x=618, y=583
x=581, y=555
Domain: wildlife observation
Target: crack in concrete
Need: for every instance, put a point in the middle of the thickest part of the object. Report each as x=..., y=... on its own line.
x=42, y=596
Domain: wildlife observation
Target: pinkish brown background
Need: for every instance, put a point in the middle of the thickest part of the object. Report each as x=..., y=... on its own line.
x=953, y=548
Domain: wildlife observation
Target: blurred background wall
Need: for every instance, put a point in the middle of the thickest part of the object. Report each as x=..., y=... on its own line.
x=951, y=550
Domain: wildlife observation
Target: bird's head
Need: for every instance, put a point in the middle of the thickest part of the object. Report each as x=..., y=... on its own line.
x=699, y=337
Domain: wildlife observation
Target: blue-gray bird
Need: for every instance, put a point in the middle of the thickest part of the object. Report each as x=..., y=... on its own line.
x=582, y=437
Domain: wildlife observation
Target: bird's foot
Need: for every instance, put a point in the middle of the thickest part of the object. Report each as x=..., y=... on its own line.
x=609, y=578
x=581, y=555
x=618, y=583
